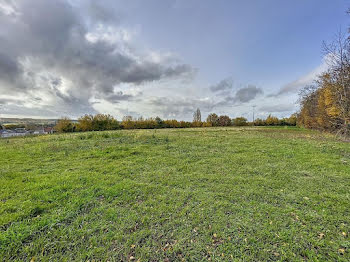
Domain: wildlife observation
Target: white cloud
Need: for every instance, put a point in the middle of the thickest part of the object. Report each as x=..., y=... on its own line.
x=109, y=34
x=7, y=7
x=305, y=80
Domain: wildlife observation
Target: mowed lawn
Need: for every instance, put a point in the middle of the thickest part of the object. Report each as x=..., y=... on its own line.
x=219, y=194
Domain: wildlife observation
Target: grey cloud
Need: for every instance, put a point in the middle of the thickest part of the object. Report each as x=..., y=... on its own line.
x=11, y=73
x=119, y=96
x=247, y=94
x=9, y=67
x=19, y=109
x=101, y=13
x=292, y=87
x=223, y=85
x=280, y=108
x=179, y=107
x=138, y=73
x=177, y=70
x=50, y=36
x=308, y=79
x=227, y=96
x=6, y=101
x=148, y=72
x=60, y=108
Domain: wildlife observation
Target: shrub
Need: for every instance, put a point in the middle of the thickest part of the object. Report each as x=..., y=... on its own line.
x=240, y=121
x=98, y=122
x=224, y=121
x=65, y=125
x=272, y=121
x=213, y=119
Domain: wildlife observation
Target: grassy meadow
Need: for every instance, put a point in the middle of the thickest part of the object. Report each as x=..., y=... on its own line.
x=205, y=194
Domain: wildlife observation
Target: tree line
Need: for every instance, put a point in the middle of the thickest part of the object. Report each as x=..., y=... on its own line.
x=102, y=122
x=325, y=105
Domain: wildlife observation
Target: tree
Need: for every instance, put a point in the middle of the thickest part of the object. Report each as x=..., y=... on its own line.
x=104, y=122
x=292, y=120
x=160, y=122
x=224, y=121
x=326, y=104
x=98, y=122
x=240, y=121
x=259, y=122
x=197, y=116
x=64, y=125
x=213, y=119
x=272, y=121
x=128, y=122
x=337, y=83
x=85, y=123
x=308, y=106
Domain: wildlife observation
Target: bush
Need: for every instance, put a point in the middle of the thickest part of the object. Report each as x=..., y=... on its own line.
x=65, y=125
x=224, y=121
x=98, y=122
x=240, y=121
x=272, y=121
x=213, y=119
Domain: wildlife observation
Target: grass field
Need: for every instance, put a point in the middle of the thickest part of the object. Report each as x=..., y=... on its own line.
x=219, y=194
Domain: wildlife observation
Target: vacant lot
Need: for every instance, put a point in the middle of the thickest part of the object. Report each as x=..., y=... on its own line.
x=217, y=194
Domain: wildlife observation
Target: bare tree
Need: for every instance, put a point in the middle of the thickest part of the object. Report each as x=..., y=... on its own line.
x=197, y=116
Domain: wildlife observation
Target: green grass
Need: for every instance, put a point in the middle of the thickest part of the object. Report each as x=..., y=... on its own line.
x=219, y=194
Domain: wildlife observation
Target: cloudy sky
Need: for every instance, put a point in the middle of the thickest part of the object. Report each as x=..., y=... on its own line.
x=161, y=57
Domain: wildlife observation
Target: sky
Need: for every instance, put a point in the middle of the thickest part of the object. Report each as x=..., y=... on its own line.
x=67, y=58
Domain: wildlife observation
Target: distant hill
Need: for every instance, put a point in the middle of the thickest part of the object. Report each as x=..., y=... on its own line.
x=33, y=121
x=4, y=120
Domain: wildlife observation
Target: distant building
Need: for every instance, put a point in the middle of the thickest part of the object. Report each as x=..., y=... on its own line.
x=23, y=132
x=39, y=132
x=48, y=130
x=16, y=132
x=44, y=131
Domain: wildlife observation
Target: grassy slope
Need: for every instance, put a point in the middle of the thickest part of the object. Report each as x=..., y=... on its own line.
x=193, y=194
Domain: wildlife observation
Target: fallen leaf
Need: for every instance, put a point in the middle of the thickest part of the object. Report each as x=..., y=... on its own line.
x=344, y=234
x=341, y=251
